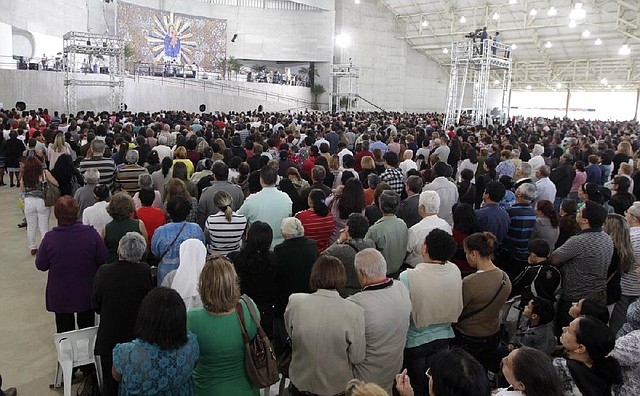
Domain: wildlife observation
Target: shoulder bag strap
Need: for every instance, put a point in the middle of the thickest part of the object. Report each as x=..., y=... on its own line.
x=503, y=283
x=254, y=315
x=240, y=315
x=172, y=242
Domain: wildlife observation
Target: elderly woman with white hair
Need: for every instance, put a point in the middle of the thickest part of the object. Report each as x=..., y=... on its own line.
x=145, y=181
x=84, y=195
x=428, y=208
x=536, y=160
x=118, y=291
x=295, y=258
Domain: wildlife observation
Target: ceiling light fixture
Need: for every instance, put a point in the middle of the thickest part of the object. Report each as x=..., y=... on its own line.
x=604, y=81
x=533, y=12
x=559, y=85
x=618, y=86
x=496, y=16
x=425, y=23
x=528, y=87
x=463, y=19
x=586, y=33
x=548, y=44
x=445, y=50
x=573, y=24
x=496, y=82
x=357, y=1
x=552, y=11
x=514, y=46
x=343, y=40
x=513, y=1
x=597, y=42
x=624, y=50
x=578, y=12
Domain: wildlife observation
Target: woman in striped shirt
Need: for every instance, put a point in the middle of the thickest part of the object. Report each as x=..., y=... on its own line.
x=225, y=228
x=317, y=220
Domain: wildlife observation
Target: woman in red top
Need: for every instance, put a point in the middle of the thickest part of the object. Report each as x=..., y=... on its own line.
x=151, y=216
x=317, y=220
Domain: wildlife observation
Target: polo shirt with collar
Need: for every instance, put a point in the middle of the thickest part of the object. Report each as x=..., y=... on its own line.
x=418, y=233
x=390, y=235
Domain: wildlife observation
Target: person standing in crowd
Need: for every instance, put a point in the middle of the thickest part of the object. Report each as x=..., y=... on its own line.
x=118, y=291
x=221, y=369
x=317, y=220
x=121, y=209
x=521, y=226
x=568, y=224
x=447, y=191
x=545, y=189
x=392, y=175
x=35, y=211
x=428, y=208
x=165, y=245
x=162, y=175
x=163, y=344
x=346, y=200
x=435, y=278
x=184, y=280
x=585, y=258
x=127, y=176
x=484, y=293
x=322, y=364
x=269, y=205
x=97, y=214
x=106, y=166
x=387, y=308
x=84, y=195
x=389, y=233
x=67, y=175
x=491, y=217
x=206, y=205
x=352, y=239
x=224, y=229
x=562, y=177
x=256, y=265
x=530, y=372
x=547, y=222
x=408, y=208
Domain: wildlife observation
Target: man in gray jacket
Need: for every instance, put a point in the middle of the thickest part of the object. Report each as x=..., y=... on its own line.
x=387, y=309
x=206, y=206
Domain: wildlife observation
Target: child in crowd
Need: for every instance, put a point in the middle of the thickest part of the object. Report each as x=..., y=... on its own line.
x=537, y=330
x=540, y=278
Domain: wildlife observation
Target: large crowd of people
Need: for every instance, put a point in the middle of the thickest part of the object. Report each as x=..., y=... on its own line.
x=389, y=253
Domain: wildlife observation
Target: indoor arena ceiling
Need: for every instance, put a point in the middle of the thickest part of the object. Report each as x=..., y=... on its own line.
x=588, y=45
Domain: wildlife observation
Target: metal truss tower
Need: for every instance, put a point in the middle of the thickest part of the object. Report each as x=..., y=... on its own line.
x=477, y=63
x=77, y=45
x=341, y=72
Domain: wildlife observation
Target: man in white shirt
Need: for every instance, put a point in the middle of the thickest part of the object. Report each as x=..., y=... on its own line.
x=545, y=189
x=428, y=207
x=408, y=163
x=342, y=151
x=447, y=191
x=162, y=148
x=96, y=215
x=441, y=149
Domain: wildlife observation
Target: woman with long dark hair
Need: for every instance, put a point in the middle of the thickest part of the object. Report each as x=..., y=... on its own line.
x=256, y=268
x=329, y=177
x=489, y=175
x=547, y=222
x=464, y=224
x=163, y=344
x=317, y=220
x=346, y=200
x=530, y=372
x=35, y=211
x=162, y=175
x=568, y=224
x=287, y=187
x=471, y=163
x=587, y=369
x=622, y=199
x=623, y=258
x=67, y=175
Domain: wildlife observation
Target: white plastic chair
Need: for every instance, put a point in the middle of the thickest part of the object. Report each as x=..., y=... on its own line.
x=75, y=348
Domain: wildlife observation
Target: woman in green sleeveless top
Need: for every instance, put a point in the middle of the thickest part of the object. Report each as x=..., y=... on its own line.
x=121, y=209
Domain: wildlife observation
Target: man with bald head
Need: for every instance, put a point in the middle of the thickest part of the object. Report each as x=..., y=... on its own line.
x=387, y=309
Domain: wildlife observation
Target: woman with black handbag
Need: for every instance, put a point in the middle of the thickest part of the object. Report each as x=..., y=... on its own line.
x=484, y=293
x=33, y=183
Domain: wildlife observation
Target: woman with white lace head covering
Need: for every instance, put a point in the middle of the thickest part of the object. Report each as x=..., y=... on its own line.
x=184, y=280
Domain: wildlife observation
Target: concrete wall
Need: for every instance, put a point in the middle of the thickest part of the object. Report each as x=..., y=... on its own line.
x=46, y=90
x=392, y=75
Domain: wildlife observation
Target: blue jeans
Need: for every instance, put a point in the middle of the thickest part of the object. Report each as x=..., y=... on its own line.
x=418, y=359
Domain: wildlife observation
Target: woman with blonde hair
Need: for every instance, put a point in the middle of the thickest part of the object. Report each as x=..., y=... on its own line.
x=624, y=153
x=224, y=229
x=180, y=155
x=623, y=259
x=221, y=370
x=57, y=148
x=368, y=167
x=355, y=387
x=176, y=187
